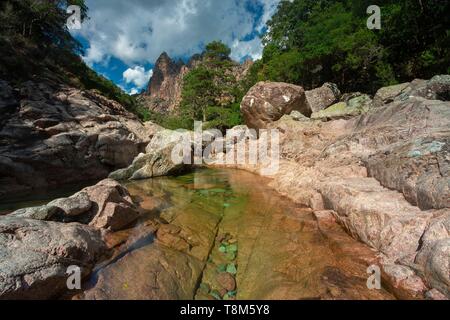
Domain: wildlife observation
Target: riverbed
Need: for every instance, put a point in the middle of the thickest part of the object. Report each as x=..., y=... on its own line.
x=224, y=234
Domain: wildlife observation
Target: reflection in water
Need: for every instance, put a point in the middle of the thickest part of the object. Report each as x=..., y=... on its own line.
x=223, y=234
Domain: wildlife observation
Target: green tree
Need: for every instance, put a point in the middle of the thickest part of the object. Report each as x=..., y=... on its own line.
x=198, y=93
x=211, y=92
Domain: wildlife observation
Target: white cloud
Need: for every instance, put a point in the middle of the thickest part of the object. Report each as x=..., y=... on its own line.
x=137, y=76
x=134, y=91
x=137, y=31
x=252, y=48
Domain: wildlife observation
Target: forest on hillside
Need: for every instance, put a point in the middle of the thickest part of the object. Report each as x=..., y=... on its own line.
x=310, y=42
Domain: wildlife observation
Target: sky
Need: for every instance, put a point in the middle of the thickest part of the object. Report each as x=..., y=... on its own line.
x=123, y=39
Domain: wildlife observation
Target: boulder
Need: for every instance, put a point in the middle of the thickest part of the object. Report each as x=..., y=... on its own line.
x=345, y=110
x=106, y=205
x=298, y=116
x=35, y=255
x=267, y=102
x=113, y=208
x=73, y=206
x=387, y=95
x=323, y=97
x=437, y=88
x=159, y=159
x=115, y=216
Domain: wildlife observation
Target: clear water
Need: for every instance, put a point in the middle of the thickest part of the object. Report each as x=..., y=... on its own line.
x=201, y=225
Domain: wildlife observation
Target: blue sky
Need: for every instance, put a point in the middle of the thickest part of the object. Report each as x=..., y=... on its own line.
x=122, y=39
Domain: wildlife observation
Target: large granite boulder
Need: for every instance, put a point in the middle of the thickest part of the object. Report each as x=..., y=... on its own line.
x=35, y=255
x=267, y=102
x=53, y=134
x=169, y=152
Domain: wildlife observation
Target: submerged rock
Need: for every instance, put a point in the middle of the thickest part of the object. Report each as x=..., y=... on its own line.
x=227, y=281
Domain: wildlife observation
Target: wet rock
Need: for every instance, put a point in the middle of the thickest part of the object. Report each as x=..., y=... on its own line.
x=231, y=268
x=35, y=255
x=216, y=294
x=227, y=281
x=169, y=235
x=267, y=102
x=152, y=272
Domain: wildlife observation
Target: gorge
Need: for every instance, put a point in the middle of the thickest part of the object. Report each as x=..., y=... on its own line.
x=201, y=235
x=324, y=167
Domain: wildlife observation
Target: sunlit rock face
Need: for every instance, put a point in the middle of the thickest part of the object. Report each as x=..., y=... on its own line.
x=163, y=94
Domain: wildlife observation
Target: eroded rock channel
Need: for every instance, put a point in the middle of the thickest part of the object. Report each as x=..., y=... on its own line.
x=224, y=234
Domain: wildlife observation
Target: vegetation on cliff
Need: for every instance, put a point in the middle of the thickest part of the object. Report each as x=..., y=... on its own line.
x=211, y=93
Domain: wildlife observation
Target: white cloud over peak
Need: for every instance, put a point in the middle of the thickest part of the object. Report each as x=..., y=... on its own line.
x=137, y=31
x=137, y=76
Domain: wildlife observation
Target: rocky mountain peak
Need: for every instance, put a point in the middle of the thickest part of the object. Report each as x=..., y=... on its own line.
x=163, y=94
